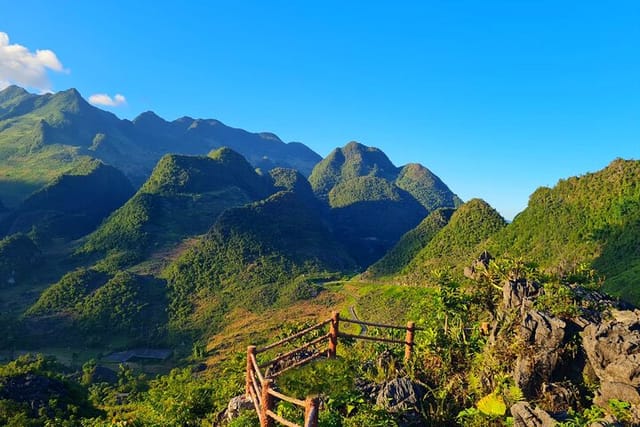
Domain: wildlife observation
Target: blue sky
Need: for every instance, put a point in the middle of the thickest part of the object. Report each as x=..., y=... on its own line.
x=495, y=97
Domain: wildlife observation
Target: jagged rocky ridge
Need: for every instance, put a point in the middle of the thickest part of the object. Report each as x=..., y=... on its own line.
x=576, y=342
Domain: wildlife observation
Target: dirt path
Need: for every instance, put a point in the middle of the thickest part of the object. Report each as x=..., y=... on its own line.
x=363, y=328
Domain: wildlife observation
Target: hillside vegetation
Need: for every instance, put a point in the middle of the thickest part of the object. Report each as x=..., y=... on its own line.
x=183, y=197
x=211, y=254
x=18, y=257
x=459, y=242
x=253, y=257
x=594, y=218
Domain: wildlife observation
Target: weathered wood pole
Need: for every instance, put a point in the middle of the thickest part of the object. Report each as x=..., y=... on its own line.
x=334, y=330
x=311, y=407
x=267, y=405
x=408, y=346
x=251, y=351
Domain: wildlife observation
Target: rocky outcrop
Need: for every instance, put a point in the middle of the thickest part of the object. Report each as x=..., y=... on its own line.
x=613, y=352
x=544, y=335
x=478, y=266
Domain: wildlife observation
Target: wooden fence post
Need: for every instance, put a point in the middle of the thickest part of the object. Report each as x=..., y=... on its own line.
x=408, y=347
x=267, y=405
x=334, y=330
x=311, y=408
x=251, y=351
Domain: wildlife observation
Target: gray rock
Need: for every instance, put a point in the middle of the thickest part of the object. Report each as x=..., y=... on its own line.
x=400, y=394
x=519, y=294
x=610, y=390
x=478, y=265
x=237, y=405
x=404, y=397
x=613, y=348
x=544, y=335
x=524, y=415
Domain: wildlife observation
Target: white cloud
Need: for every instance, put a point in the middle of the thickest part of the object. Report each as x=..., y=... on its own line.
x=18, y=65
x=106, y=100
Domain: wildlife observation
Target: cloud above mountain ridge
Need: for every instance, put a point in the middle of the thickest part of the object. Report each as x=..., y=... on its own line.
x=107, y=101
x=19, y=65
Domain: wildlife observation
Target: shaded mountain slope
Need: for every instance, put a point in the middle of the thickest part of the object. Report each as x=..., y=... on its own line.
x=71, y=205
x=410, y=244
x=371, y=203
x=18, y=257
x=369, y=215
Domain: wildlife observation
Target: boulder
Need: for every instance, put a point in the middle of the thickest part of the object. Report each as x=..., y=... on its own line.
x=237, y=405
x=403, y=396
x=525, y=415
x=613, y=352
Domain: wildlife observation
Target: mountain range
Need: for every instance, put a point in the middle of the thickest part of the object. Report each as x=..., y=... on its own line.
x=50, y=133
x=195, y=236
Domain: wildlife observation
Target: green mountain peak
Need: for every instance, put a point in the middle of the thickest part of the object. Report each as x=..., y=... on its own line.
x=457, y=243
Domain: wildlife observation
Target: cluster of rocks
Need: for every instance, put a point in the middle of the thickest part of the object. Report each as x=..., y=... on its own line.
x=560, y=353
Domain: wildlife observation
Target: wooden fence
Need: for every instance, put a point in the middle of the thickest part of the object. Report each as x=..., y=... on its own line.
x=259, y=386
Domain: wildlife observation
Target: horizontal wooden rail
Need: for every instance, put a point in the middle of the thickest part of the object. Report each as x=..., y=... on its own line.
x=299, y=363
x=281, y=420
x=382, y=325
x=375, y=325
x=286, y=398
x=292, y=337
x=367, y=337
x=294, y=351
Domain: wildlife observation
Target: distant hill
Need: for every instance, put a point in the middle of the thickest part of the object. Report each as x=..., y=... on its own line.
x=460, y=241
x=351, y=161
x=411, y=244
x=371, y=203
x=71, y=205
x=50, y=133
x=183, y=197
